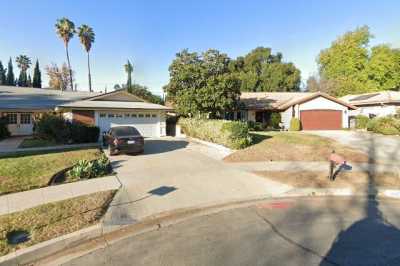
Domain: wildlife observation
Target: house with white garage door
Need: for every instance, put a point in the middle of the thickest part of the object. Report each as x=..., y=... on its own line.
x=21, y=106
x=316, y=111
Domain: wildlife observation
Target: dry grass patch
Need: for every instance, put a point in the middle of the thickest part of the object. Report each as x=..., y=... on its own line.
x=293, y=146
x=355, y=180
x=28, y=171
x=54, y=219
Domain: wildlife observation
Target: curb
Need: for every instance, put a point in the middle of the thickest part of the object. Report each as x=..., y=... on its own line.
x=225, y=150
x=79, y=243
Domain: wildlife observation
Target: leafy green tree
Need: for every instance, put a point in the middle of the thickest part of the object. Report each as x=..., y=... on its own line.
x=260, y=70
x=2, y=74
x=10, y=78
x=29, y=81
x=87, y=36
x=354, y=67
x=65, y=30
x=37, y=76
x=23, y=63
x=203, y=85
x=129, y=69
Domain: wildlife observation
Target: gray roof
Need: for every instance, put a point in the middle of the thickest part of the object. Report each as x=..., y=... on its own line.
x=373, y=98
x=113, y=105
x=38, y=99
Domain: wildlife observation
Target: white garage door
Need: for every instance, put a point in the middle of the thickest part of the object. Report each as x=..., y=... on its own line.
x=147, y=123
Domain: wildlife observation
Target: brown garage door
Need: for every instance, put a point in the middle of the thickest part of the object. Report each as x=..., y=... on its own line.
x=321, y=119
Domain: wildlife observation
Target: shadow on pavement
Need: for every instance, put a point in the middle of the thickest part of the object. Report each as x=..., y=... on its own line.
x=155, y=146
x=369, y=241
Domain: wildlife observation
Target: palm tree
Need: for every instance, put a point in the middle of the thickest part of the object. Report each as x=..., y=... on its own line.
x=65, y=30
x=23, y=63
x=86, y=35
x=129, y=69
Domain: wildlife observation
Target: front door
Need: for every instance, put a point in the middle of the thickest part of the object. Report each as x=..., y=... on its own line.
x=20, y=123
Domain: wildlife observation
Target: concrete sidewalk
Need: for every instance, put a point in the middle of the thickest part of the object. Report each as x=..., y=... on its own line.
x=296, y=166
x=10, y=149
x=16, y=202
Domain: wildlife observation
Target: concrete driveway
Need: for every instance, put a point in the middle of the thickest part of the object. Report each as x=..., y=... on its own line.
x=384, y=149
x=175, y=174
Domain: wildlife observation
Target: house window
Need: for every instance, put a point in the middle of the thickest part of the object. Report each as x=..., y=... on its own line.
x=126, y=115
x=25, y=118
x=133, y=115
x=110, y=115
x=239, y=115
x=153, y=115
x=147, y=115
x=118, y=115
x=102, y=115
x=12, y=118
x=293, y=112
x=141, y=115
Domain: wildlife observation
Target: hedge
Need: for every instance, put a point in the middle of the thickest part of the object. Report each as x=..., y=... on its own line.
x=295, y=124
x=232, y=134
x=4, y=133
x=362, y=121
x=384, y=125
x=52, y=127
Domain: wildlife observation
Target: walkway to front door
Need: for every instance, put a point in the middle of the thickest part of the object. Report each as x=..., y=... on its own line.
x=10, y=144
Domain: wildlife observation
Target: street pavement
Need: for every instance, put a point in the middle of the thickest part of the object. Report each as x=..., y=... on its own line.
x=302, y=231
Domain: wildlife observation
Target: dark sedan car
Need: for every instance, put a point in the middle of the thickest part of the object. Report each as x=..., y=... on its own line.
x=124, y=139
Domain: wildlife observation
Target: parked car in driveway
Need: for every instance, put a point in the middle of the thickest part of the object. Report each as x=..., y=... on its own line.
x=124, y=139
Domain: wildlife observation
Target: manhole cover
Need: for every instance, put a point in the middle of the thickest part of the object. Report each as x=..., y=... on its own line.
x=276, y=205
x=17, y=236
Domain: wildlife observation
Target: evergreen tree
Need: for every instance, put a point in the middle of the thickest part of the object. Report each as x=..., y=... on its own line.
x=10, y=79
x=37, y=76
x=2, y=74
x=22, y=79
x=29, y=81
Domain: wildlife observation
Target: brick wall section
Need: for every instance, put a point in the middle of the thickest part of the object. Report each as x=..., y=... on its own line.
x=83, y=116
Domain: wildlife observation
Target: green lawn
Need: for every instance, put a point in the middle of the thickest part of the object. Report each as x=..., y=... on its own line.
x=35, y=142
x=28, y=171
x=293, y=146
x=54, y=219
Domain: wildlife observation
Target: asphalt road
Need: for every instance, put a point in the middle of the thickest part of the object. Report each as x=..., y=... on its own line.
x=306, y=231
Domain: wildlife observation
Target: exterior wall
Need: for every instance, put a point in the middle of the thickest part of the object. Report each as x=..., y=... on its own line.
x=83, y=116
x=251, y=115
x=377, y=110
x=68, y=116
x=286, y=116
x=322, y=103
x=162, y=124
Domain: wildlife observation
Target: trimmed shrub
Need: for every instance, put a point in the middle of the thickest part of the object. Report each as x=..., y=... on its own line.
x=255, y=126
x=4, y=133
x=384, y=125
x=232, y=134
x=295, y=124
x=52, y=127
x=362, y=121
x=275, y=120
x=84, y=169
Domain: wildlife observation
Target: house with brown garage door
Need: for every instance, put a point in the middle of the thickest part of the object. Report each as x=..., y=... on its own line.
x=22, y=106
x=316, y=111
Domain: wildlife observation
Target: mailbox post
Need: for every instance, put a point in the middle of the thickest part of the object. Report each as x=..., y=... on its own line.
x=334, y=160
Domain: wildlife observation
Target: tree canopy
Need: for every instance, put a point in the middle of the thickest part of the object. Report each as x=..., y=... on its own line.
x=355, y=67
x=142, y=92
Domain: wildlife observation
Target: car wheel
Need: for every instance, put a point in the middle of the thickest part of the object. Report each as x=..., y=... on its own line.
x=111, y=151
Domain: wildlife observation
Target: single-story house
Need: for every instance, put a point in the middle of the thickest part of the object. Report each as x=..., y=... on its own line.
x=23, y=105
x=316, y=111
x=373, y=104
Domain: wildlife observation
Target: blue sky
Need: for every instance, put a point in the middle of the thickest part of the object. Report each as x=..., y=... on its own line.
x=150, y=32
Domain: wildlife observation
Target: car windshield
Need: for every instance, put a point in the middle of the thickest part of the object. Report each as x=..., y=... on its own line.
x=124, y=131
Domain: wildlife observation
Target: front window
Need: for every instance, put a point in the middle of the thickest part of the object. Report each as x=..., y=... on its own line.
x=12, y=118
x=25, y=118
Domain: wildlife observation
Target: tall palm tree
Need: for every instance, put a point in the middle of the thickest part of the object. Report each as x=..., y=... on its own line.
x=23, y=63
x=65, y=30
x=86, y=36
x=129, y=69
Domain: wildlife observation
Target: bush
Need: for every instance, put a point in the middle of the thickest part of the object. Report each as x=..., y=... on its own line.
x=295, y=124
x=232, y=134
x=52, y=127
x=275, y=120
x=4, y=133
x=384, y=125
x=362, y=121
x=85, y=169
x=255, y=126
